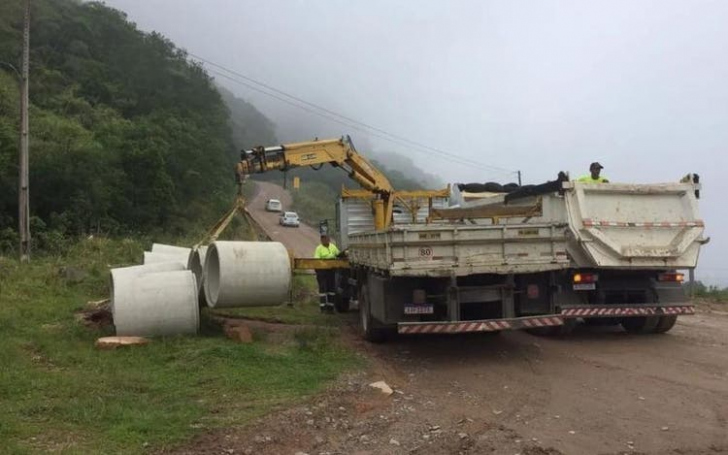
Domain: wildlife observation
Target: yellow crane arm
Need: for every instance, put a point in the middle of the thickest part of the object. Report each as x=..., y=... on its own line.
x=336, y=152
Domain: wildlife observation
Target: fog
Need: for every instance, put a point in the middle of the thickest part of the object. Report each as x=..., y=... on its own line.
x=639, y=86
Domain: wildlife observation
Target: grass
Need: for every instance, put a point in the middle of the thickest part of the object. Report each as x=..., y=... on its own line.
x=59, y=393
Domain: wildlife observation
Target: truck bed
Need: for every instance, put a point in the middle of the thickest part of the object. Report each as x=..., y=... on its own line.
x=452, y=250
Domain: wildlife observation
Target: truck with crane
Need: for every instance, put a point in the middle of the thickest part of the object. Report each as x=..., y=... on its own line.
x=538, y=257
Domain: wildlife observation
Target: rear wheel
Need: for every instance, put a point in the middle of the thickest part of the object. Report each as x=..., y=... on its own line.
x=641, y=325
x=665, y=324
x=369, y=331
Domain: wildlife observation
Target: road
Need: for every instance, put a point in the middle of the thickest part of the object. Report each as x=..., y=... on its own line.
x=597, y=391
x=302, y=240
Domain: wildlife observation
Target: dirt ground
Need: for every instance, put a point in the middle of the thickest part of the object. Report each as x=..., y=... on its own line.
x=597, y=391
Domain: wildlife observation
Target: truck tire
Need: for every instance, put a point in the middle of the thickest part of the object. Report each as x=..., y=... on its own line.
x=640, y=325
x=367, y=325
x=665, y=324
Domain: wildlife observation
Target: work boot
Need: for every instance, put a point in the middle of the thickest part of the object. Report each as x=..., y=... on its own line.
x=322, y=302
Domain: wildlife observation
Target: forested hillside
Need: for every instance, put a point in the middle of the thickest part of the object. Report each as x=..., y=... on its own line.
x=126, y=135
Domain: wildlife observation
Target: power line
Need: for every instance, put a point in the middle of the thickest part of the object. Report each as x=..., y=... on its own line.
x=340, y=118
x=455, y=159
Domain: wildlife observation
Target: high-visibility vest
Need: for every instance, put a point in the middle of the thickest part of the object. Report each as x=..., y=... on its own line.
x=589, y=179
x=326, y=253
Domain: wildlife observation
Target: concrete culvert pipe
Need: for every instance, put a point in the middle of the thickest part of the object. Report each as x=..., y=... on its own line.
x=170, y=249
x=196, y=264
x=154, y=258
x=156, y=304
x=239, y=274
x=136, y=270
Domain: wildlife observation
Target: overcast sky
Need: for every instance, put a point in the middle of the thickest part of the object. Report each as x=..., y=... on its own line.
x=540, y=86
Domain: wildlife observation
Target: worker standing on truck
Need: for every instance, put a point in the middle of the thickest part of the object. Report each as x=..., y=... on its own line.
x=594, y=177
x=326, y=278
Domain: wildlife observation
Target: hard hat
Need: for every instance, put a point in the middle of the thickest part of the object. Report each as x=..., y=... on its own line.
x=597, y=165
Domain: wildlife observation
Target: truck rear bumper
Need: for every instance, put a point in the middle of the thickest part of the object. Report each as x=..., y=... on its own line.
x=549, y=320
x=487, y=325
x=592, y=311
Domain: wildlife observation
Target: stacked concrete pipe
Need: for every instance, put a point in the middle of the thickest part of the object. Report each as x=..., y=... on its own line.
x=167, y=253
x=118, y=275
x=240, y=274
x=156, y=258
x=161, y=248
x=156, y=304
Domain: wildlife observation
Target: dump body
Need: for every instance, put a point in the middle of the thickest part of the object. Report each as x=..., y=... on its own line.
x=627, y=226
x=615, y=226
x=446, y=250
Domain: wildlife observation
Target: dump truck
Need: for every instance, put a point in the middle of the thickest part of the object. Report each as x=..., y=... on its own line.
x=539, y=257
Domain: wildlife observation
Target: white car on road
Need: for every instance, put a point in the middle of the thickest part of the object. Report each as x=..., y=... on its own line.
x=273, y=205
x=289, y=219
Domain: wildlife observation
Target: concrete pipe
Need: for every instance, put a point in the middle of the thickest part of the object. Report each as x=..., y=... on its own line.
x=156, y=304
x=136, y=270
x=170, y=249
x=239, y=274
x=154, y=258
x=196, y=264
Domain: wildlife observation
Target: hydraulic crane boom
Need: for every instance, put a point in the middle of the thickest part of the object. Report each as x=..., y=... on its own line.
x=336, y=152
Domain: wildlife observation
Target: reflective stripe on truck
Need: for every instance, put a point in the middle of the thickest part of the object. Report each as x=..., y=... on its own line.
x=489, y=325
x=622, y=311
x=595, y=223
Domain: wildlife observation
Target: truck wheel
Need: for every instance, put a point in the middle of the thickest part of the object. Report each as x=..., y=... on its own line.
x=640, y=325
x=366, y=323
x=665, y=324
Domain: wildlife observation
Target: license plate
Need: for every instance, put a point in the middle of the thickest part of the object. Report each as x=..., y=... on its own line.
x=585, y=287
x=419, y=309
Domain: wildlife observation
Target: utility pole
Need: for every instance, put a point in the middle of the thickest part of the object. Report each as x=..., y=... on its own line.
x=519, y=178
x=23, y=190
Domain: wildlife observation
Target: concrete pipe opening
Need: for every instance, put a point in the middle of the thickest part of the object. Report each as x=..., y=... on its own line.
x=135, y=270
x=196, y=265
x=154, y=258
x=170, y=249
x=156, y=304
x=239, y=274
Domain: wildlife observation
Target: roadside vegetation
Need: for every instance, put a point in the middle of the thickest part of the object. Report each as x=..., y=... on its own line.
x=709, y=292
x=59, y=393
x=131, y=142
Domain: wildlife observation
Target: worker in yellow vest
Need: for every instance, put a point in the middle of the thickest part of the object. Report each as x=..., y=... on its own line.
x=326, y=278
x=595, y=170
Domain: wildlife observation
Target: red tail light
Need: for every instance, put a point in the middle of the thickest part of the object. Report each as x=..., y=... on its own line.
x=580, y=278
x=674, y=277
